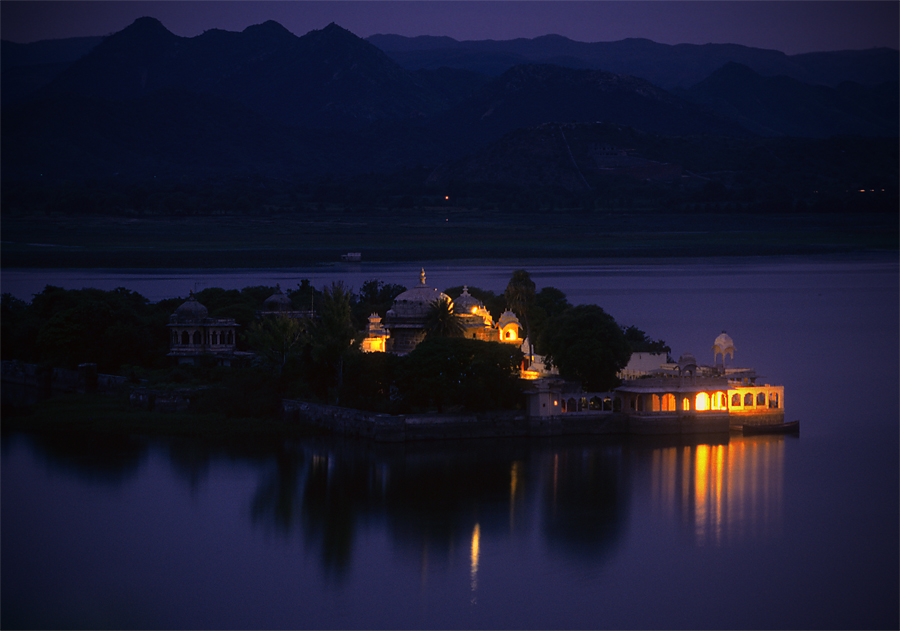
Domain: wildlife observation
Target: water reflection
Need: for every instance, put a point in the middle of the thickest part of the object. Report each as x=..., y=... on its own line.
x=435, y=500
x=722, y=493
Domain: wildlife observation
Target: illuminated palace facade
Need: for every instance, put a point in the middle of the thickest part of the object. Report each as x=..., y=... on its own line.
x=720, y=395
x=404, y=325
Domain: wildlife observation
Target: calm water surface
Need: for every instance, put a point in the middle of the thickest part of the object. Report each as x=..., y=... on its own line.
x=722, y=532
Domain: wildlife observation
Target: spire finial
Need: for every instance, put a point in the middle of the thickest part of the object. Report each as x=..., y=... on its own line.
x=422, y=277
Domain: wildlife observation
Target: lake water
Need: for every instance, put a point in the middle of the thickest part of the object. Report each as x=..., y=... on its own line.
x=722, y=532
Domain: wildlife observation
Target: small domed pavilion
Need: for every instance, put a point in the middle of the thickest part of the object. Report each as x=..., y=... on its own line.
x=194, y=334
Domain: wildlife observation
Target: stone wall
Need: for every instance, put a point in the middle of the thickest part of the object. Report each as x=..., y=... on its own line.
x=27, y=383
x=385, y=427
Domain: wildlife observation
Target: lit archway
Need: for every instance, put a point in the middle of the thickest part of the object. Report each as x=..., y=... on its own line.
x=701, y=402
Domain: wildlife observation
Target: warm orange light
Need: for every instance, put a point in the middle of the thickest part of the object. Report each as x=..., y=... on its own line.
x=718, y=401
x=701, y=403
x=476, y=544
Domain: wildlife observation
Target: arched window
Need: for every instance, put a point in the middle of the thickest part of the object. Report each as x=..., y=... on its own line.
x=185, y=338
x=668, y=402
x=215, y=337
x=717, y=401
x=761, y=398
x=197, y=338
x=686, y=404
x=608, y=404
x=748, y=399
x=702, y=402
x=617, y=404
x=773, y=400
x=230, y=337
x=735, y=400
x=595, y=403
x=572, y=405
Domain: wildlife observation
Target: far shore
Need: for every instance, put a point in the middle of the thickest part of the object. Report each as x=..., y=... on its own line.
x=382, y=235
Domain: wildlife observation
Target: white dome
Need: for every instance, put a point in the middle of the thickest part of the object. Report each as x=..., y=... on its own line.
x=417, y=301
x=466, y=302
x=723, y=342
x=190, y=311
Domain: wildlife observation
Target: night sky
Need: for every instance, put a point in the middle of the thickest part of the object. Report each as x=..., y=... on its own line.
x=792, y=27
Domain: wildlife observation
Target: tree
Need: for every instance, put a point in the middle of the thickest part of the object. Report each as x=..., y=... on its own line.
x=374, y=297
x=586, y=345
x=333, y=332
x=442, y=321
x=277, y=340
x=640, y=342
x=548, y=302
x=445, y=371
x=520, y=296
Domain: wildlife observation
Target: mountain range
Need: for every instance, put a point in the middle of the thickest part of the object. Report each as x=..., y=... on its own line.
x=145, y=103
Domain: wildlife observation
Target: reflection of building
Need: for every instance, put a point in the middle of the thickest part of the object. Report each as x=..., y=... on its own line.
x=724, y=493
x=194, y=334
x=406, y=322
x=676, y=396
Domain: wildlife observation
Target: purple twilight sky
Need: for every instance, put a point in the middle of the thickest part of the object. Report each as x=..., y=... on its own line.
x=789, y=26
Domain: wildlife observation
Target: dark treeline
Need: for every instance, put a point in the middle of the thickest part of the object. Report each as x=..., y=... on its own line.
x=318, y=358
x=776, y=191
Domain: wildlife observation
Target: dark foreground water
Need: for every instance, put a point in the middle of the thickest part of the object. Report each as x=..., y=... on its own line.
x=723, y=532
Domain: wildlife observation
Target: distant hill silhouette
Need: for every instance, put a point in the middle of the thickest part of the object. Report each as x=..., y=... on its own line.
x=668, y=66
x=781, y=106
x=145, y=103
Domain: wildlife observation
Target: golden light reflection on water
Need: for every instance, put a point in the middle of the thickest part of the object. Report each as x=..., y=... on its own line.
x=724, y=493
x=475, y=553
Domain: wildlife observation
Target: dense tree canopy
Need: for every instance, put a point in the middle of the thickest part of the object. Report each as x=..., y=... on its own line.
x=447, y=371
x=520, y=296
x=65, y=328
x=586, y=345
x=640, y=342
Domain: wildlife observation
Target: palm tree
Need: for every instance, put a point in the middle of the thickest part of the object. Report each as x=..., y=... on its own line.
x=442, y=321
x=333, y=335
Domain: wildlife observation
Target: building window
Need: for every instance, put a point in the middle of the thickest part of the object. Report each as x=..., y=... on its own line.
x=735, y=400
x=197, y=338
x=773, y=400
x=761, y=398
x=702, y=402
x=668, y=402
x=185, y=338
x=748, y=399
x=230, y=337
x=686, y=405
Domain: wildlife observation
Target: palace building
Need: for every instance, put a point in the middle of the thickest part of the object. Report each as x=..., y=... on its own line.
x=715, y=396
x=405, y=324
